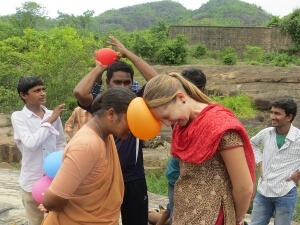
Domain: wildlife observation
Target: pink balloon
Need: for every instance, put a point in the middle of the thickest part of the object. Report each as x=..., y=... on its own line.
x=40, y=186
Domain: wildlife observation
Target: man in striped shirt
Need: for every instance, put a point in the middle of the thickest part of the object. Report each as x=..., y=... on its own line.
x=78, y=118
x=279, y=163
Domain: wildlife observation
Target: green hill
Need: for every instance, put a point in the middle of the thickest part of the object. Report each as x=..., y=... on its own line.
x=142, y=16
x=213, y=13
x=228, y=13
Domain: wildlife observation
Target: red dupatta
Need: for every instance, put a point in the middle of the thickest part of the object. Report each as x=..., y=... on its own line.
x=199, y=141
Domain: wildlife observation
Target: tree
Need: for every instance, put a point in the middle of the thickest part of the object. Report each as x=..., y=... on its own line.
x=7, y=30
x=173, y=52
x=291, y=25
x=30, y=15
x=81, y=23
x=59, y=56
x=275, y=21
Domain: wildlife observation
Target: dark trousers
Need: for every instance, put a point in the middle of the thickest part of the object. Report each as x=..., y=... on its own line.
x=134, y=209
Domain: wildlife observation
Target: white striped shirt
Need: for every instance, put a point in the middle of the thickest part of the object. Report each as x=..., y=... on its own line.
x=278, y=164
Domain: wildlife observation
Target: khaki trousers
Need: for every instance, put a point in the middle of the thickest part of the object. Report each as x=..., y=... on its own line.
x=34, y=215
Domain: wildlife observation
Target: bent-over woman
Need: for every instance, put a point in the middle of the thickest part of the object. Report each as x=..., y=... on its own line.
x=217, y=170
x=89, y=187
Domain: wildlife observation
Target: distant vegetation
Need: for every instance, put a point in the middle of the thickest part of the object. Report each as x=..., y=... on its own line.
x=60, y=50
x=143, y=16
x=228, y=13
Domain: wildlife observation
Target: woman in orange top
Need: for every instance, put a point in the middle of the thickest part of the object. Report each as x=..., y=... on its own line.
x=88, y=188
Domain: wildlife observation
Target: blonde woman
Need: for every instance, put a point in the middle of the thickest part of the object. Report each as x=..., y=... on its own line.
x=217, y=170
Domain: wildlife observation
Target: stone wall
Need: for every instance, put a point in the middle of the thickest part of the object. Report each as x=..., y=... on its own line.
x=218, y=38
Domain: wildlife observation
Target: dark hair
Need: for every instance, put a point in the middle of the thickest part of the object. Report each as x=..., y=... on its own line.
x=117, y=98
x=287, y=104
x=26, y=83
x=196, y=76
x=119, y=66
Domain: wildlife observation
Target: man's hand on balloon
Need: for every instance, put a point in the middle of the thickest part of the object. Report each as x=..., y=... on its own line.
x=42, y=208
x=121, y=48
x=98, y=63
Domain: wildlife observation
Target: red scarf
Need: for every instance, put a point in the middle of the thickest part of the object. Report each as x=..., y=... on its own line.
x=199, y=141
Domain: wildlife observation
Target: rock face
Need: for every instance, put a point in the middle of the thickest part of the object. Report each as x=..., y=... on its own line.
x=11, y=208
x=262, y=84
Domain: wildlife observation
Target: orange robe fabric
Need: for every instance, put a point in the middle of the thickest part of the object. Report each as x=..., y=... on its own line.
x=98, y=202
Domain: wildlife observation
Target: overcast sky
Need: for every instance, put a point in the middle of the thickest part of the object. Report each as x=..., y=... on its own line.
x=77, y=7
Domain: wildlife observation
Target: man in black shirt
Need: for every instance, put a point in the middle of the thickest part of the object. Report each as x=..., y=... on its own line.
x=134, y=209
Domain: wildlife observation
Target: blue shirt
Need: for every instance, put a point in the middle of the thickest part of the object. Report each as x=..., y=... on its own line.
x=173, y=170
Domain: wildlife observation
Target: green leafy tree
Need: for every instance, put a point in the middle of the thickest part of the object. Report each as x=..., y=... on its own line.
x=141, y=44
x=59, y=56
x=30, y=15
x=160, y=31
x=275, y=21
x=291, y=25
x=81, y=23
x=174, y=52
x=7, y=30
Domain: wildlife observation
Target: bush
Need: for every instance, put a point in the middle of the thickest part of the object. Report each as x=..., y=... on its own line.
x=230, y=59
x=241, y=105
x=200, y=51
x=253, y=55
x=229, y=56
x=283, y=60
x=174, y=52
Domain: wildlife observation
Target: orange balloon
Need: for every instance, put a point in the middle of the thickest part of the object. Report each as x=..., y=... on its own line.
x=106, y=56
x=140, y=120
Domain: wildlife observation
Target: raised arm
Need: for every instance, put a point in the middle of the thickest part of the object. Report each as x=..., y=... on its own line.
x=82, y=91
x=145, y=69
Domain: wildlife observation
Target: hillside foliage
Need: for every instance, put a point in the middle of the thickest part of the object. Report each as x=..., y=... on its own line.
x=228, y=13
x=60, y=50
x=143, y=16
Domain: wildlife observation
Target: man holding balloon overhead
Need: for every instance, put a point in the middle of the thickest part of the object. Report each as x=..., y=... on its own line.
x=37, y=132
x=134, y=209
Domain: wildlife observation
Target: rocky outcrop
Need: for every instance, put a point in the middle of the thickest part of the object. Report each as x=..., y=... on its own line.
x=8, y=149
x=263, y=84
x=11, y=208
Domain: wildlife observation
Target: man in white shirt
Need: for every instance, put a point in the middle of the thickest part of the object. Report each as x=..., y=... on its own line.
x=279, y=163
x=37, y=132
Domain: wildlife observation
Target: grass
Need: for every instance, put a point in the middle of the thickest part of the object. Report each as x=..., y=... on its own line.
x=241, y=105
x=157, y=183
